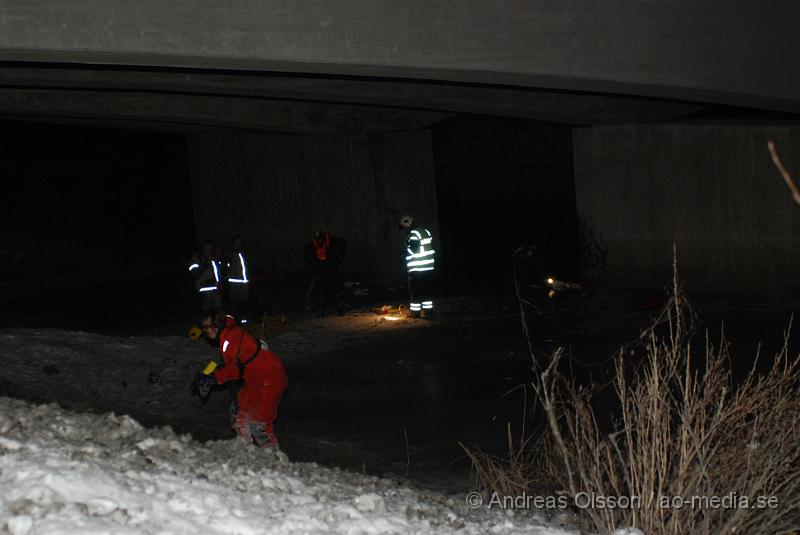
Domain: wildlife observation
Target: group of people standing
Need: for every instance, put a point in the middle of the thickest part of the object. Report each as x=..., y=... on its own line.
x=221, y=279
x=259, y=375
x=325, y=252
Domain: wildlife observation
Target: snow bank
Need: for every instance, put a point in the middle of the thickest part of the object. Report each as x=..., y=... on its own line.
x=64, y=473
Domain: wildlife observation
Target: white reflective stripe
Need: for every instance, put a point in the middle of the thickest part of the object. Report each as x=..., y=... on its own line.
x=426, y=241
x=415, y=306
x=238, y=281
x=207, y=289
x=194, y=266
x=415, y=234
x=216, y=272
x=244, y=269
x=427, y=302
x=427, y=307
x=421, y=269
x=420, y=260
x=225, y=345
x=421, y=254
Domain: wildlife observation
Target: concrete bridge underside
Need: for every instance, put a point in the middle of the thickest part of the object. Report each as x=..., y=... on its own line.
x=324, y=106
x=573, y=61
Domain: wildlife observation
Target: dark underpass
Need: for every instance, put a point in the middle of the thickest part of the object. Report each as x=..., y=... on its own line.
x=103, y=221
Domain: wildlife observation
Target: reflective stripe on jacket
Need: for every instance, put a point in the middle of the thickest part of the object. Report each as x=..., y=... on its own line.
x=204, y=272
x=420, y=255
x=237, y=269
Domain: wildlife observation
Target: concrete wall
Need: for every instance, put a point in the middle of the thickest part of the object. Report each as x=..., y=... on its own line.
x=711, y=189
x=504, y=184
x=275, y=189
x=718, y=50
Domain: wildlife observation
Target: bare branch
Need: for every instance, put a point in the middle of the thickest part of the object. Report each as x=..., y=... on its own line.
x=786, y=176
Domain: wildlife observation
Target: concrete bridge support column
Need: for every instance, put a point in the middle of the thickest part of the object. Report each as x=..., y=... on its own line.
x=711, y=189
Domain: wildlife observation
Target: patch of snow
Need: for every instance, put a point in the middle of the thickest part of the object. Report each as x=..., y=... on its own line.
x=65, y=473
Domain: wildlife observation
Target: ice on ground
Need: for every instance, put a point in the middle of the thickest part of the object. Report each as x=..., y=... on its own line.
x=68, y=473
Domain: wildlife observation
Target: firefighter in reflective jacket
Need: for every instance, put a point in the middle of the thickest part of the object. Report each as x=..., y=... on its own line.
x=262, y=374
x=238, y=283
x=205, y=272
x=420, y=263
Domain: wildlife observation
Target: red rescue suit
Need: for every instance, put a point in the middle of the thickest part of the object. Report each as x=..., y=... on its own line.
x=264, y=379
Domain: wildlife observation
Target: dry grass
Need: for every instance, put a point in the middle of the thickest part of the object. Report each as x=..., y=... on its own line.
x=513, y=475
x=684, y=430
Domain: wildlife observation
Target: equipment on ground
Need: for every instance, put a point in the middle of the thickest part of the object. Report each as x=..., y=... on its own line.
x=390, y=311
x=556, y=287
x=386, y=309
x=269, y=327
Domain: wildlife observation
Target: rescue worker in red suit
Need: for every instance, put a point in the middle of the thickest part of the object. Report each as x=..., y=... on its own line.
x=262, y=374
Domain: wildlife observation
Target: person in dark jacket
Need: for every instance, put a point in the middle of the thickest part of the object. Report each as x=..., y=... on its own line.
x=206, y=273
x=261, y=372
x=237, y=278
x=324, y=255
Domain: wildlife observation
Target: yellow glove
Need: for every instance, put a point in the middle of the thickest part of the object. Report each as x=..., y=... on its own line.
x=210, y=367
x=195, y=332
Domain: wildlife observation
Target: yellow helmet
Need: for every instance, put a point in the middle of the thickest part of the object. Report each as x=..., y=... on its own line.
x=195, y=332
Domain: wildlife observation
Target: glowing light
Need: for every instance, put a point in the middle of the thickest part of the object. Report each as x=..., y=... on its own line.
x=550, y=280
x=392, y=318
